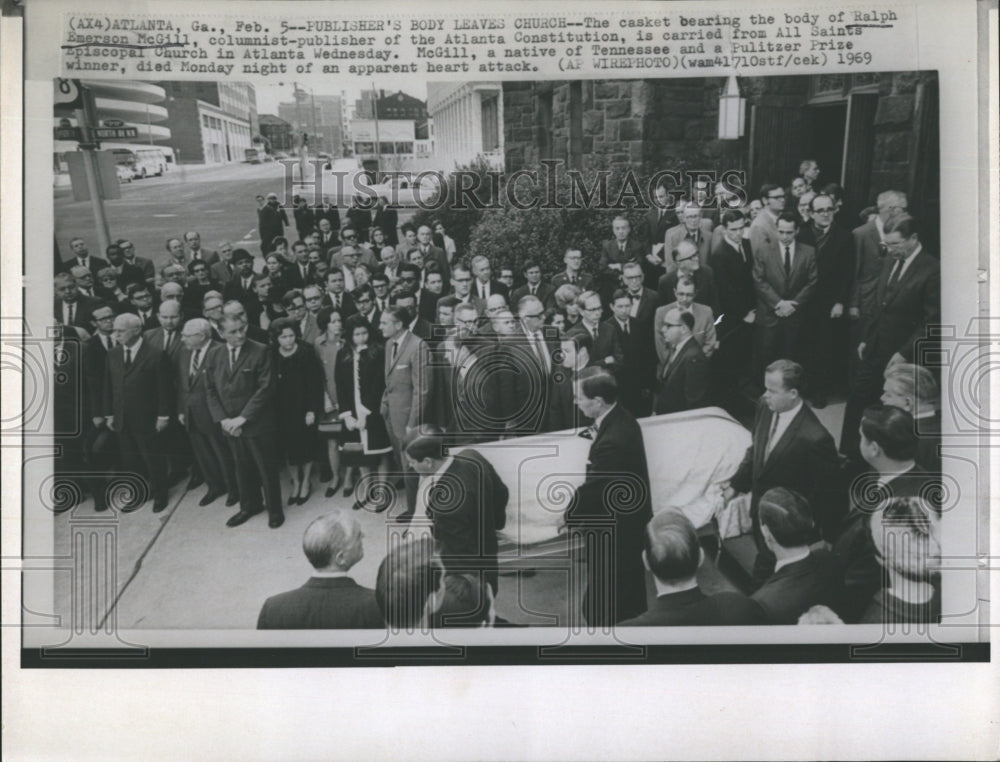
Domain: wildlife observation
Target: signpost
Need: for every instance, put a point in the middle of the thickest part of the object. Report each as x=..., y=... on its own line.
x=114, y=133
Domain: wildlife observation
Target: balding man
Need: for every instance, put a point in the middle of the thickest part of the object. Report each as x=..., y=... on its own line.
x=240, y=385
x=223, y=270
x=682, y=378
x=525, y=381
x=912, y=388
x=688, y=265
x=693, y=228
x=330, y=599
x=215, y=462
x=70, y=307
x=171, y=291
x=84, y=280
x=869, y=254
x=167, y=337
x=672, y=553
x=137, y=404
x=192, y=241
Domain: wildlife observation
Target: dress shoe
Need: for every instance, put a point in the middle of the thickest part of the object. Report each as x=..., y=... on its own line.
x=195, y=481
x=160, y=504
x=293, y=500
x=239, y=518
x=348, y=490
x=276, y=521
x=303, y=498
x=232, y=500
x=210, y=497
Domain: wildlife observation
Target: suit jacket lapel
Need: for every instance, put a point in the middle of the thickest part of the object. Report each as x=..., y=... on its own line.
x=788, y=436
x=135, y=358
x=392, y=361
x=240, y=358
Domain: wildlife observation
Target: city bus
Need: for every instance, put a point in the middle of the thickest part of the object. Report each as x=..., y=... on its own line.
x=144, y=161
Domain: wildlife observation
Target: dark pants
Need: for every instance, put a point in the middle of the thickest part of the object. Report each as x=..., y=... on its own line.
x=214, y=459
x=731, y=362
x=101, y=446
x=780, y=341
x=866, y=389
x=139, y=453
x=826, y=353
x=763, y=565
x=256, y=464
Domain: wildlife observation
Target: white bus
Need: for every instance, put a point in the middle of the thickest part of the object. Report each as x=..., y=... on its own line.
x=144, y=161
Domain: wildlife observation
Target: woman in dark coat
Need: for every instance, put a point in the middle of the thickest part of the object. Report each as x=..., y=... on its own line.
x=360, y=377
x=300, y=403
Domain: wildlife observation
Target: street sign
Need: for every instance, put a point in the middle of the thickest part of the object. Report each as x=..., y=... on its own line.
x=114, y=133
x=68, y=94
x=68, y=133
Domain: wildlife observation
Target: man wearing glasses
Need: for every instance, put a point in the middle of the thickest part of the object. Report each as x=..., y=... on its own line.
x=461, y=283
x=764, y=228
x=826, y=321
x=693, y=227
x=144, y=265
x=608, y=352
x=688, y=266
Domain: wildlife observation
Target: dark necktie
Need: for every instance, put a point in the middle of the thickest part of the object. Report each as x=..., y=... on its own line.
x=894, y=276
x=625, y=328
x=336, y=301
x=69, y=312
x=232, y=357
x=128, y=357
x=788, y=261
x=770, y=436
x=168, y=337
x=196, y=364
x=395, y=345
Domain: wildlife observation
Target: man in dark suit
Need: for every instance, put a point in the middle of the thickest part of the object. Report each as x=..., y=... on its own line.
x=166, y=337
x=607, y=351
x=215, y=462
x=145, y=265
x=484, y=286
x=137, y=404
x=785, y=280
x=271, y=222
x=524, y=375
x=174, y=444
x=330, y=599
x=688, y=266
x=658, y=220
x=869, y=254
x=224, y=270
x=240, y=285
x=826, y=314
x=889, y=448
x=82, y=258
x=614, y=587
x=802, y=577
x=336, y=297
x=100, y=445
x=192, y=241
x=125, y=273
x=142, y=304
x=408, y=386
x=732, y=264
x=790, y=449
x=431, y=253
x=638, y=368
x=912, y=388
x=72, y=308
x=431, y=293
x=466, y=501
x=764, y=228
x=693, y=228
x=533, y=286
x=240, y=388
x=672, y=553
x=683, y=379
x=908, y=304
x=621, y=248
x=386, y=219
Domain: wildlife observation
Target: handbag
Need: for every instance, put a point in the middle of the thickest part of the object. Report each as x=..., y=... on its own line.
x=330, y=423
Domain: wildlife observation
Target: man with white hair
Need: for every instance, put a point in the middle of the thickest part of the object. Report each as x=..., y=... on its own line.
x=912, y=388
x=84, y=280
x=693, y=227
x=171, y=292
x=137, y=404
x=214, y=460
x=330, y=599
x=869, y=253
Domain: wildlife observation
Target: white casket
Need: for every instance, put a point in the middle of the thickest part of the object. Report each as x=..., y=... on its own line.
x=689, y=454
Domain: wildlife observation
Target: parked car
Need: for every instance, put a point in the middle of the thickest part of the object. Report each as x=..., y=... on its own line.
x=124, y=172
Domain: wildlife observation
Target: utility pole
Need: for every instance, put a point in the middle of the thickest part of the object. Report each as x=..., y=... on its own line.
x=378, y=144
x=301, y=131
x=86, y=119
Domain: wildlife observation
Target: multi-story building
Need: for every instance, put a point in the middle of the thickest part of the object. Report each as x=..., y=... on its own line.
x=468, y=122
x=277, y=133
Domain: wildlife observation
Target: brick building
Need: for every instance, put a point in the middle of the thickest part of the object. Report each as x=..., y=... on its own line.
x=868, y=131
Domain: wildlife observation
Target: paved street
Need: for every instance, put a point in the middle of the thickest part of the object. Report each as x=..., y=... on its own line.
x=218, y=202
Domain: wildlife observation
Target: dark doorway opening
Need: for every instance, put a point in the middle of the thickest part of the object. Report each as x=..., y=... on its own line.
x=825, y=126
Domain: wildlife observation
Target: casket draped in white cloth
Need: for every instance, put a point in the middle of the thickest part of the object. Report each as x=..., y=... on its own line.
x=690, y=455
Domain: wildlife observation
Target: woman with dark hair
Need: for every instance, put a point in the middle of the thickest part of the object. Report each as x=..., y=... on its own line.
x=279, y=285
x=360, y=379
x=444, y=241
x=557, y=318
x=328, y=345
x=300, y=403
x=199, y=284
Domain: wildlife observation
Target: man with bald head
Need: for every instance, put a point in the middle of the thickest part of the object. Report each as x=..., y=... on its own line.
x=215, y=462
x=330, y=599
x=171, y=292
x=84, y=280
x=166, y=337
x=137, y=404
x=175, y=248
x=687, y=261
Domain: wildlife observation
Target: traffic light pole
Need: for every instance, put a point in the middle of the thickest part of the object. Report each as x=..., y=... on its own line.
x=86, y=119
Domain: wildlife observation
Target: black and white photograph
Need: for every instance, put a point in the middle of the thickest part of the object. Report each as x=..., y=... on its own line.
x=358, y=359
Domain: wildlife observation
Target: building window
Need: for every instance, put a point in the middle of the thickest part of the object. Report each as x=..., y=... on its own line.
x=205, y=121
x=491, y=124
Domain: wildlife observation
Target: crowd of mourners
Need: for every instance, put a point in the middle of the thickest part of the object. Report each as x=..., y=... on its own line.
x=365, y=359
